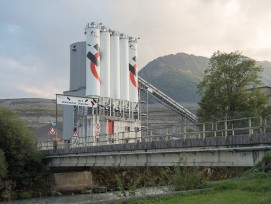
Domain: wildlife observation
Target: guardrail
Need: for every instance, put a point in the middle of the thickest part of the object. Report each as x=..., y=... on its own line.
x=223, y=128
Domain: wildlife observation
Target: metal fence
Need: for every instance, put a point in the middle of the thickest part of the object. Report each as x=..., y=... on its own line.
x=223, y=128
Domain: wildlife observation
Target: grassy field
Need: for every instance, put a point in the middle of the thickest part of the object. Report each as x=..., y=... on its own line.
x=248, y=189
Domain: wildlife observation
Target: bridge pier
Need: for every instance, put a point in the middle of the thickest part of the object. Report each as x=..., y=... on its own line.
x=73, y=181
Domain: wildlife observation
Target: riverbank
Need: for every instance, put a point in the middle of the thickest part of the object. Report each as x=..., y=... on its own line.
x=253, y=188
x=124, y=179
x=94, y=198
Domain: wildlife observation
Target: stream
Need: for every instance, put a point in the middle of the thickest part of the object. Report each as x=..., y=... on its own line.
x=87, y=198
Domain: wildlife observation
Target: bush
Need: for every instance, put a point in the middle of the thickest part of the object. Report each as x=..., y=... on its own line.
x=21, y=155
x=131, y=186
x=187, y=178
x=265, y=164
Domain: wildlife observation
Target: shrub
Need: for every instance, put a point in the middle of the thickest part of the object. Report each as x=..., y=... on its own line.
x=130, y=186
x=21, y=155
x=265, y=164
x=187, y=178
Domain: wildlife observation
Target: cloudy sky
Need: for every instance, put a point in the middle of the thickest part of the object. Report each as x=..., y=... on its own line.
x=35, y=34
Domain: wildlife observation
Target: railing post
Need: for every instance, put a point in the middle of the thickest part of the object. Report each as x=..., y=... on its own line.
x=203, y=130
x=212, y=126
x=265, y=125
x=226, y=127
x=215, y=128
x=184, y=132
x=174, y=130
x=54, y=145
x=262, y=125
x=249, y=126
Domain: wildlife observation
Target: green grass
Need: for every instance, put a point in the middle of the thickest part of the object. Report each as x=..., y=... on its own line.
x=248, y=189
x=223, y=197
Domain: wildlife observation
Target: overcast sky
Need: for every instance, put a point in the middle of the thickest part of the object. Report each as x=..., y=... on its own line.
x=35, y=35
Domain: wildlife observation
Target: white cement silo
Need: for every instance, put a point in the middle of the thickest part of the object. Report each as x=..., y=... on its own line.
x=124, y=68
x=133, y=82
x=92, y=60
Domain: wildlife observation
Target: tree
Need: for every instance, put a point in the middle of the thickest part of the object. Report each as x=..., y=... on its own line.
x=228, y=87
x=20, y=153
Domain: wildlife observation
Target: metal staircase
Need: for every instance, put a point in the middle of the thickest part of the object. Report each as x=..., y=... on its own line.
x=167, y=101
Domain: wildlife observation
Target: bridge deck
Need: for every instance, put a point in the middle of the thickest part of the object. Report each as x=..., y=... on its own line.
x=213, y=151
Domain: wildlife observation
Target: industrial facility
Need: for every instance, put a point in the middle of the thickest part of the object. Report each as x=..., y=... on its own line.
x=102, y=103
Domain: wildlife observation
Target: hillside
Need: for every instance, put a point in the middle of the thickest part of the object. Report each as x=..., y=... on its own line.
x=178, y=75
x=37, y=113
x=266, y=76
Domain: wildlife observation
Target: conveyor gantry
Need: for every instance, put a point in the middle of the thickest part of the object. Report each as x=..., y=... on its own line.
x=166, y=100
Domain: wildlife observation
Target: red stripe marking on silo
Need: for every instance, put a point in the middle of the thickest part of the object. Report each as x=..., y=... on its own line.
x=93, y=68
x=132, y=77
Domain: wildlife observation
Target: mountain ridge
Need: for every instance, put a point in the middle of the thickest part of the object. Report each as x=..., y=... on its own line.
x=178, y=75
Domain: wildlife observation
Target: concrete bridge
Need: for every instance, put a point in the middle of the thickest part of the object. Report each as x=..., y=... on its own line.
x=237, y=151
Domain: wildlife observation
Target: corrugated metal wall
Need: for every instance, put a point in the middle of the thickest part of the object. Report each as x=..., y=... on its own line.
x=77, y=66
x=77, y=84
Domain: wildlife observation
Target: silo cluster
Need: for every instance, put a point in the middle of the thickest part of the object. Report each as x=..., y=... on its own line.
x=104, y=70
x=111, y=70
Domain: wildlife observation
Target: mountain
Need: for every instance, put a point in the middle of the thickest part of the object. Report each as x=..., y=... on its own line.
x=178, y=75
x=266, y=76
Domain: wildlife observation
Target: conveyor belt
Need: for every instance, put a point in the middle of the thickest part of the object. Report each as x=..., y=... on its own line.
x=164, y=99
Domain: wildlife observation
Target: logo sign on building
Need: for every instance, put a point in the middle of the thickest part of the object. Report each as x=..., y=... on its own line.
x=52, y=131
x=76, y=101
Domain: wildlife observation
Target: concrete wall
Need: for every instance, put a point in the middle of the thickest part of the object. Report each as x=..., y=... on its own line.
x=73, y=181
x=218, y=157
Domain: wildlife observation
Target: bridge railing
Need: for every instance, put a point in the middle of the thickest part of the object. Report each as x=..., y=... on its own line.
x=223, y=128
x=106, y=139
